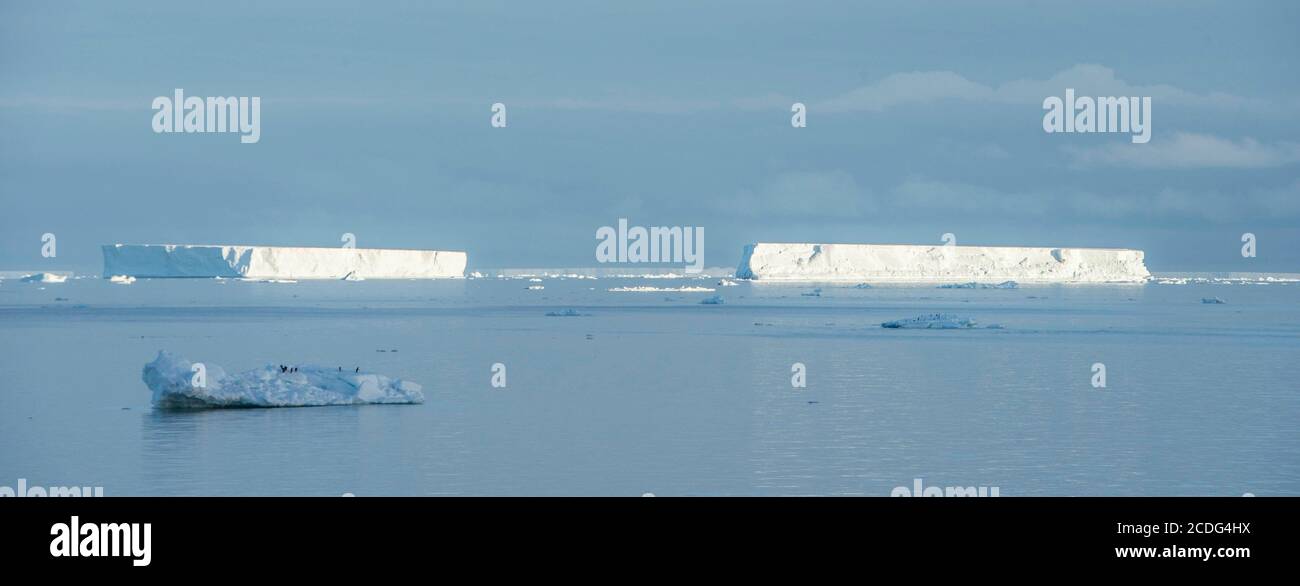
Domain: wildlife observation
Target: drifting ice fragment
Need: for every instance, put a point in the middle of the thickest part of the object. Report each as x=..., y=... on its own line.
x=45, y=278
x=934, y=321
x=172, y=380
x=974, y=285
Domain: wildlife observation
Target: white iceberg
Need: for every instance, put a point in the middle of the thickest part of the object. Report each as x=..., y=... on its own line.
x=648, y=289
x=172, y=380
x=121, y=279
x=45, y=278
x=909, y=263
x=280, y=262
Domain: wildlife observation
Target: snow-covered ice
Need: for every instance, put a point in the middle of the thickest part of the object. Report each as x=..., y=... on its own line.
x=121, y=279
x=278, y=262
x=911, y=263
x=934, y=321
x=648, y=289
x=170, y=377
x=45, y=278
x=974, y=285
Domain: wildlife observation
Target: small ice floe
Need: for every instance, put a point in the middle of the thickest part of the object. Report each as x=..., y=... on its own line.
x=44, y=278
x=645, y=289
x=565, y=313
x=862, y=286
x=814, y=293
x=121, y=279
x=534, y=280
x=974, y=285
x=476, y=275
x=535, y=287
x=935, y=321
x=1213, y=300
x=714, y=300
x=353, y=276
x=727, y=283
x=176, y=384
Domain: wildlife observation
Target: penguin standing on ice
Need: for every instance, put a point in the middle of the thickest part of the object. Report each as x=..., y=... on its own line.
x=357, y=371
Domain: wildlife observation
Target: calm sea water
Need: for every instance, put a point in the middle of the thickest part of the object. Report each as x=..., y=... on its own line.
x=655, y=392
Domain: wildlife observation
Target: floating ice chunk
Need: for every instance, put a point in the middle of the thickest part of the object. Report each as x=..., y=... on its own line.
x=646, y=289
x=814, y=293
x=727, y=283
x=1213, y=300
x=44, y=278
x=714, y=300
x=974, y=285
x=934, y=321
x=536, y=287
x=565, y=313
x=170, y=377
x=862, y=286
x=121, y=279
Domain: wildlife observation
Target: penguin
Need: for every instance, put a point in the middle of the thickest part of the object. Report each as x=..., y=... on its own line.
x=357, y=371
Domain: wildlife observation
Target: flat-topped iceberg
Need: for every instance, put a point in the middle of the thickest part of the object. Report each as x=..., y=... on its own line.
x=172, y=380
x=911, y=263
x=279, y=262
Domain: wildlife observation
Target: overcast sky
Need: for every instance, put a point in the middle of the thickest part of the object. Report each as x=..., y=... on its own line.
x=923, y=118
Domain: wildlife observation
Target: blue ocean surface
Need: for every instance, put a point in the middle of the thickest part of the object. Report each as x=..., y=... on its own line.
x=633, y=392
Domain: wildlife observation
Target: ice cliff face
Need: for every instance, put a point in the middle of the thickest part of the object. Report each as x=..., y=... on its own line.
x=910, y=263
x=276, y=262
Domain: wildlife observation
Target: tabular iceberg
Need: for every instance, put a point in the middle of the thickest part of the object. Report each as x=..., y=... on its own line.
x=279, y=262
x=170, y=379
x=911, y=263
